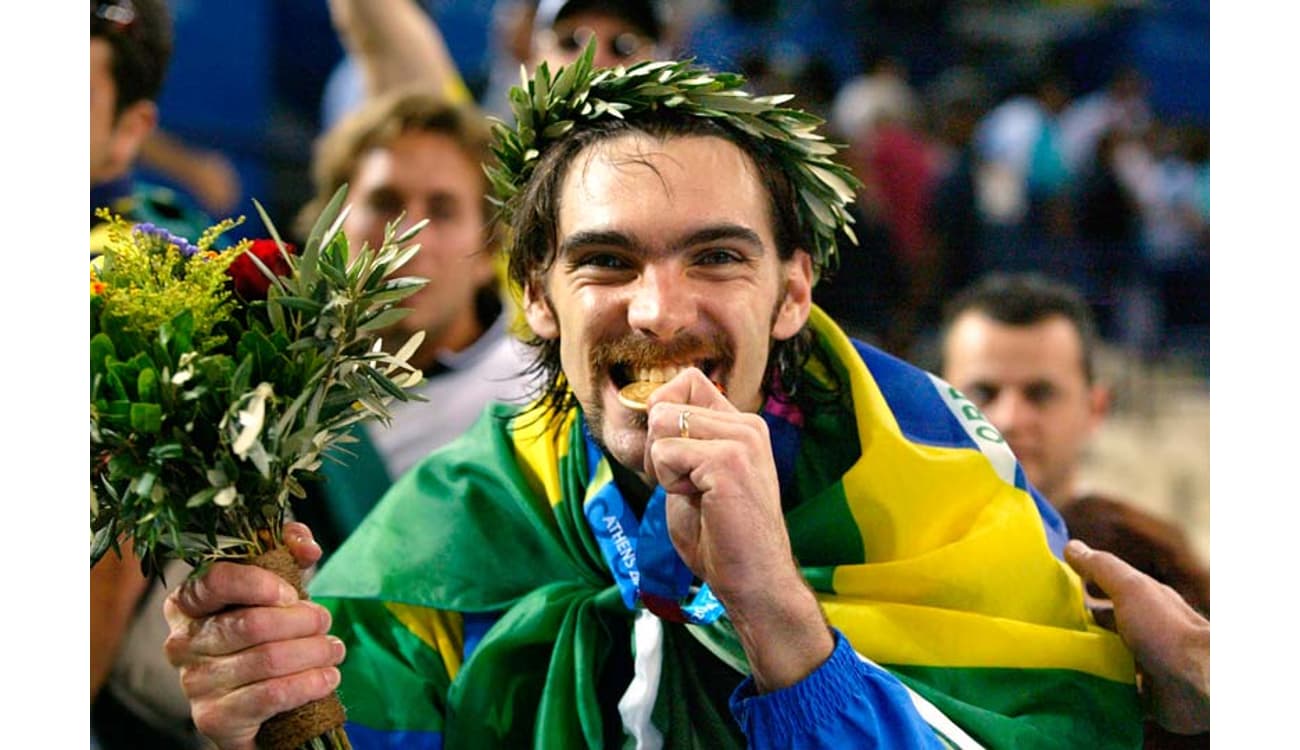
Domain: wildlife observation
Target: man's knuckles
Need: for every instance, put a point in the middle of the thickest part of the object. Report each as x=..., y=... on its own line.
x=277, y=695
x=177, y=647
x=211, y=721
x=228, y=584
x=263, y=662
x=240, y=628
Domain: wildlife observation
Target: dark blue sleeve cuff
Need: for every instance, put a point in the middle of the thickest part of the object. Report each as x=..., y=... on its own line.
x=846, y=702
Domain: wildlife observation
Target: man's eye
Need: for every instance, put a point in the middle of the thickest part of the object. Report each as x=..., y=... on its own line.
x=981, y=395
x=1040, y=393
x=601, y=260
x=717, y=257
x=442, y=210
x=384, y=204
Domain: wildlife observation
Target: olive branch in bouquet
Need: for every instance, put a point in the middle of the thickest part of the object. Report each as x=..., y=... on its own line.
x=220, y=379
x=210, y=406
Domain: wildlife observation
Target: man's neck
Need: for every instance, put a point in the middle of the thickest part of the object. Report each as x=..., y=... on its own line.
x=636, y=492
x=1062, y=494
x=461, y=335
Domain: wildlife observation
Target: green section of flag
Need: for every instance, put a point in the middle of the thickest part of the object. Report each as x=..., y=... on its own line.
x=693, y=710
x=823, y=534
x=391, y=679
x=464, y=532
x=1030, y=709
x=534, y=673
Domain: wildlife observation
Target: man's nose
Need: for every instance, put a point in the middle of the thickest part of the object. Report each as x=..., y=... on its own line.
x=427, y=235
x=413, y=212
x=605, y=57
x=662, y=305
x=1009, y=412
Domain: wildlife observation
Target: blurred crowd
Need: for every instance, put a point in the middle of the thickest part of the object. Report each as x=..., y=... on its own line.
x=1046, y=136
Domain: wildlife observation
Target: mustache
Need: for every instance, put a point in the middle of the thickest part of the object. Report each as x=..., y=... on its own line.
x=637, y=352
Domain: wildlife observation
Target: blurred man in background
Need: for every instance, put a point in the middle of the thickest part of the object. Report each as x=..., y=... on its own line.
x=410, y=156
x=1022, y=349
x=625, y=32
x=130, y=46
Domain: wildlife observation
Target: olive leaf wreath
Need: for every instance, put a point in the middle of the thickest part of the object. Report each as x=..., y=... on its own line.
x=546, y=108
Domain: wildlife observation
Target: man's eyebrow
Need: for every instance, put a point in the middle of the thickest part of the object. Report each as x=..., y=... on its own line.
x=719, y=233
x=595, y=237
x=703, y=236
x=442, y=196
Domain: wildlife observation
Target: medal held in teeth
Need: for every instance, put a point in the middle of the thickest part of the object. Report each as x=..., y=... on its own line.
x=635, y=395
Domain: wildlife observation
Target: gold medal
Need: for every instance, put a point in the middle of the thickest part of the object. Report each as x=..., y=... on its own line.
x=634, y=395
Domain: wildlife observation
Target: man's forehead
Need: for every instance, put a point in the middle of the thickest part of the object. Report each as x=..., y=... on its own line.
x=1052, y=325
x=1047, y=347
x=593, y=16
x=410, y=153
x=704, y=178
x=638, y=146
x=641, y=16
x=672, y=159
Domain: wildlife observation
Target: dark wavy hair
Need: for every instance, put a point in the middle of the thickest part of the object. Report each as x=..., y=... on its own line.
x=1024, y=299
x=535, y=237
x=140, y=34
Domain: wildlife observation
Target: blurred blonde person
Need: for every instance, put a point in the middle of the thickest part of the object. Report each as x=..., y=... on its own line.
x=410, y=156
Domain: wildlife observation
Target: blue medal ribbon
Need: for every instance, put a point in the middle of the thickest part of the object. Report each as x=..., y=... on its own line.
x=640, y=552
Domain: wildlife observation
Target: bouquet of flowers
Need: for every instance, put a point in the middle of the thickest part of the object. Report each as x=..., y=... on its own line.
x=220, y=379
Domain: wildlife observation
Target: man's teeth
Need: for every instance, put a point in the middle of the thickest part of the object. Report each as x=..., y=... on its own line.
x=659, y=374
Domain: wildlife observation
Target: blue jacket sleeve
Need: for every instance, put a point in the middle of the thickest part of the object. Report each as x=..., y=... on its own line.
x=846, y=702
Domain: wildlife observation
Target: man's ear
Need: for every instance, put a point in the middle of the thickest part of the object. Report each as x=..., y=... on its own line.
x=793, y=313
x=1099, y=398
x=132, y=128
x=538, y=311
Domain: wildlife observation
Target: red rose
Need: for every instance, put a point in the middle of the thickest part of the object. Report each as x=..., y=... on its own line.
x=249, y=281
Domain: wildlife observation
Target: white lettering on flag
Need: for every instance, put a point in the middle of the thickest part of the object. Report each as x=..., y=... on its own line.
x=979, y=428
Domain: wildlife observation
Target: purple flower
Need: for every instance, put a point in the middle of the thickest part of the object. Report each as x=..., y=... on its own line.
x=147, y=230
